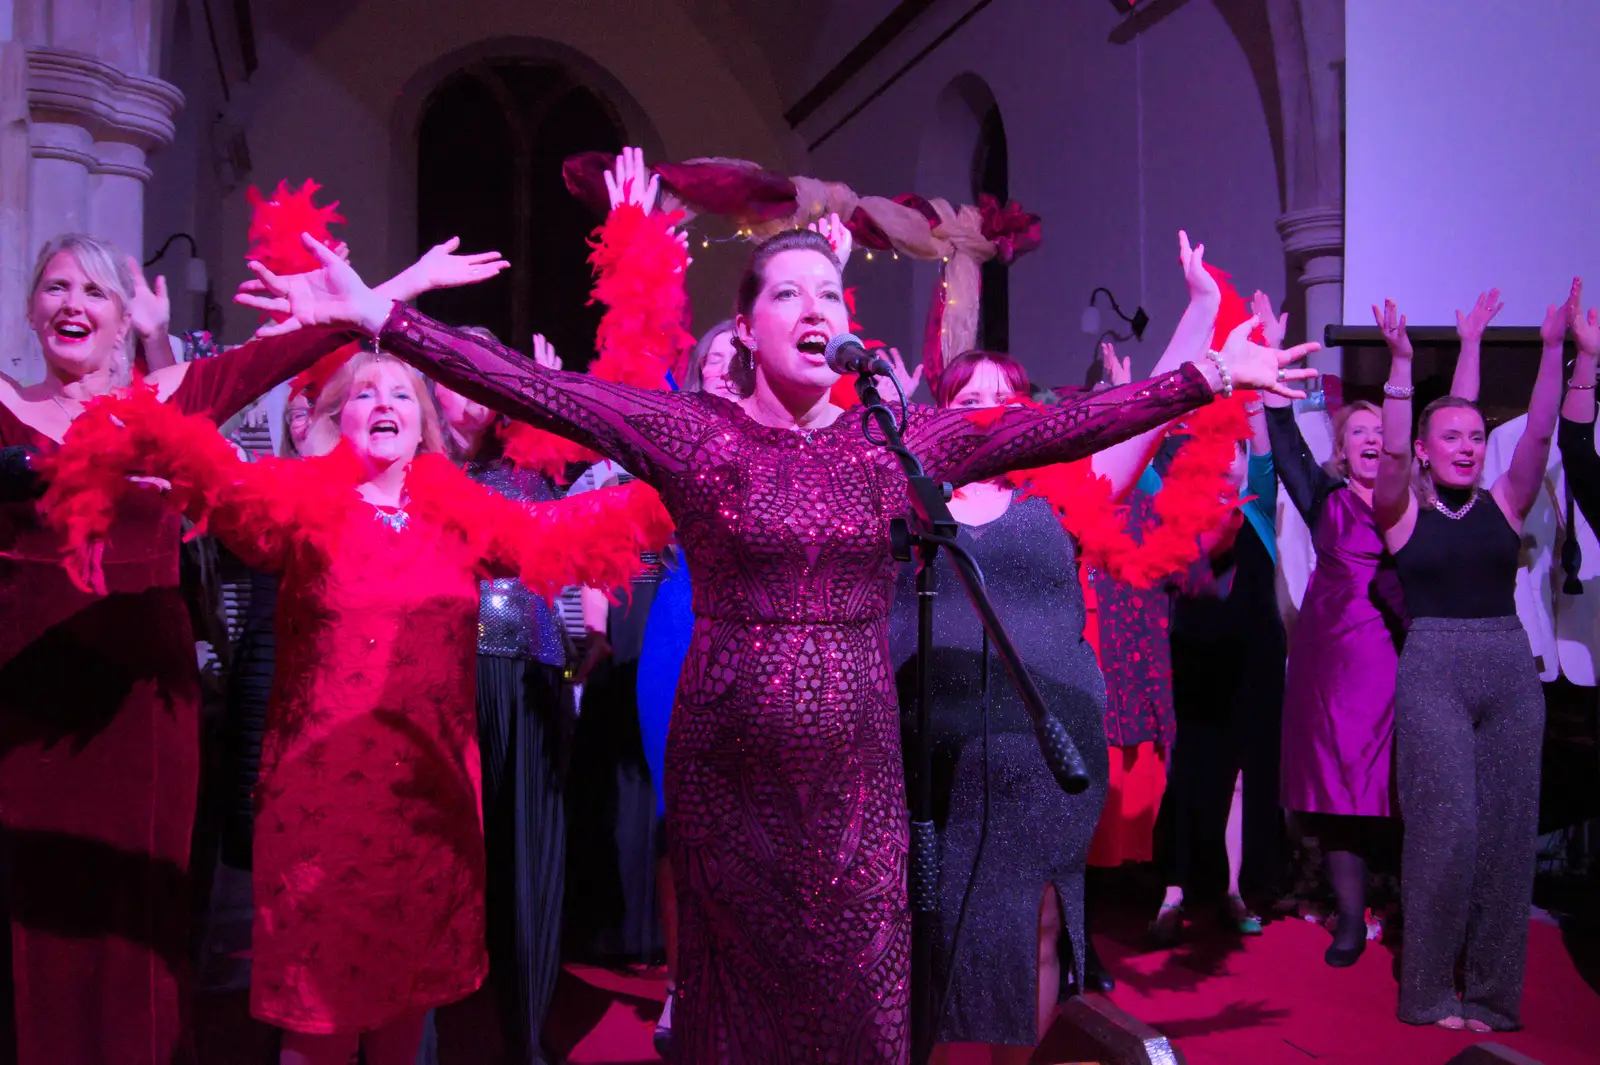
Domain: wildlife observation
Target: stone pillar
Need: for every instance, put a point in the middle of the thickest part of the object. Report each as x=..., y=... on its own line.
x=1314, y=242
x=15, y=258
x=91, y=126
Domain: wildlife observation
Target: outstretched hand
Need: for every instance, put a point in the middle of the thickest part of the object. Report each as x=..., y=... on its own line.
x=1273, y=327
x=906, y=379
x=149, y=311
x=1116, y=372
x=1559, y=317
x=1585, y=325
x=1393, y=326
x=1202, y=286
x=837, y=234
x=334, y=294
x=1256, y=366
x=1470, y=326
x=630, y=181
x=544, y=353
x=441, y=267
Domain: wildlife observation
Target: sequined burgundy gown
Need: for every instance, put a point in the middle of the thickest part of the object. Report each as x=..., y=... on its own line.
x=785, y=792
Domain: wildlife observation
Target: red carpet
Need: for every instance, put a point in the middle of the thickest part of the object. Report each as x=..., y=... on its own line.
x=1263, y=1001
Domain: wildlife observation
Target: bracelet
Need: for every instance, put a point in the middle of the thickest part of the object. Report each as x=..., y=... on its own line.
x=1222, y=371
x=1397, y=391
x=1573, y=387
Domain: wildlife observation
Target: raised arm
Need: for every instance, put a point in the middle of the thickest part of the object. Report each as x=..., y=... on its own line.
x=1576, y=437
x=649, y=432
x=1517, y=490
x=964, y=446
x=150, y=313
x=1393, y=502
x=1470, y=327
x=224, y=384
x=1307, y=483
x=1122, y=463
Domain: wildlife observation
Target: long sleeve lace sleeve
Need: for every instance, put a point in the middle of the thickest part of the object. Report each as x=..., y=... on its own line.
x=649, y=432
x=965, y=446
x=1308, y=484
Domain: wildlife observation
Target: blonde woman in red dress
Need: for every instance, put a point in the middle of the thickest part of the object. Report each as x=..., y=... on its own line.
x=369, y=862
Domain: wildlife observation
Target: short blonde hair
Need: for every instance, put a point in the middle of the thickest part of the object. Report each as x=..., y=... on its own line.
x=324, y=434
x=106, y=265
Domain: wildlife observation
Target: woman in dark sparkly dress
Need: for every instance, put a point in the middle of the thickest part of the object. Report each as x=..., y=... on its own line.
x=785, y=795
x=1005, y=978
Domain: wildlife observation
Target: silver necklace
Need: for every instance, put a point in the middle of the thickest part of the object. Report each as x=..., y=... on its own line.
x=1455, y=515
x=62, y=404
x=396, y=521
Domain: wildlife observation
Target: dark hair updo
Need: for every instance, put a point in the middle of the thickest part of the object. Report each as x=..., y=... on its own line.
x=742, y=368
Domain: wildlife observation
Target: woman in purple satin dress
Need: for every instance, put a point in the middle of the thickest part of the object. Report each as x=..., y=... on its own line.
x=785, y=794
x=1338, y=712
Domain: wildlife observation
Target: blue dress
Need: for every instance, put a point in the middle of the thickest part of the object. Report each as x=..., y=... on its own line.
x=667, y=631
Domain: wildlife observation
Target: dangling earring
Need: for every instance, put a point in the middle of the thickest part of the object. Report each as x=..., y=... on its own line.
x=748, y=353
x=1424, y=463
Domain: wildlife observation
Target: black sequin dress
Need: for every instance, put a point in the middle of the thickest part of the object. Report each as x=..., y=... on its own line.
x=1038, y=834
x=525, y=717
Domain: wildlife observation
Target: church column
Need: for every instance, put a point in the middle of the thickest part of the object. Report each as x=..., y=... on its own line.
x=1313, y=239
x=91, y=128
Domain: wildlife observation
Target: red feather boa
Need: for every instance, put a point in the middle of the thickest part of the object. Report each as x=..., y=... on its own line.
x=536, y=449
x=274, y=509
x=639, y=270
x=1195, y=495
x=276, y=225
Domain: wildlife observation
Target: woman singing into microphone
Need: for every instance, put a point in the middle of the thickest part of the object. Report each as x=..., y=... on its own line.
x=785, y=797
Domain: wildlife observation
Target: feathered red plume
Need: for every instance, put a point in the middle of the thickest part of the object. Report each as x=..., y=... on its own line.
x=1232, y=312
x=1195, y=494
x=535, y=449
x=639, y=267
x=277, y=223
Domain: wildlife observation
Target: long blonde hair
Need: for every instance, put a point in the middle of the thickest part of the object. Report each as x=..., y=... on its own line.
x=1421, y=479
x=323, y=436
x=1338, y=463
x=106, y=266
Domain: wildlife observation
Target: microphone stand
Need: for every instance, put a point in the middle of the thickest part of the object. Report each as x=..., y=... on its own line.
x=927, y=528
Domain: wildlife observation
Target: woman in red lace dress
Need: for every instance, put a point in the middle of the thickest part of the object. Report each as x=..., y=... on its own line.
x=368, y=857
x=99, y=693
x=785, y=793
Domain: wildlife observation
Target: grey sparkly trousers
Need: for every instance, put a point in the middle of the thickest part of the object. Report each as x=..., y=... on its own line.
x=1469, y=725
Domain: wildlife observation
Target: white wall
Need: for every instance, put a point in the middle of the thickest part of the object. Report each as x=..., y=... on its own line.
x=1073, y=105
x=1471, y=155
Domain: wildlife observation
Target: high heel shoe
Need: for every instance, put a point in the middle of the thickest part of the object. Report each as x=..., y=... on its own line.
x=1237, y=914
x=1096, y=977
x=1344, y=957
x=1167, y=928
x=663, y=1033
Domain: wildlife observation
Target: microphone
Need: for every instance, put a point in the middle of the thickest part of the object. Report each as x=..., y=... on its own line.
x=846, y=355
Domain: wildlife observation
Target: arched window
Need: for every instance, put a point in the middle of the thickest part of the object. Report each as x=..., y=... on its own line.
x=489, y=154
x=990, y=174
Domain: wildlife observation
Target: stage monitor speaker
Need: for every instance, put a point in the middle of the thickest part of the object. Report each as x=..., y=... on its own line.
x=1490, y=1054
x=1091, y=1029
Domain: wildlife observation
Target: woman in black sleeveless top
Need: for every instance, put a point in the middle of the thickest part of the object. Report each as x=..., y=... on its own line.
x=1469, y=709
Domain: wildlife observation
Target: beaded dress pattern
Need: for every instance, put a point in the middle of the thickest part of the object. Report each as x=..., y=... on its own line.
x=785, y=794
